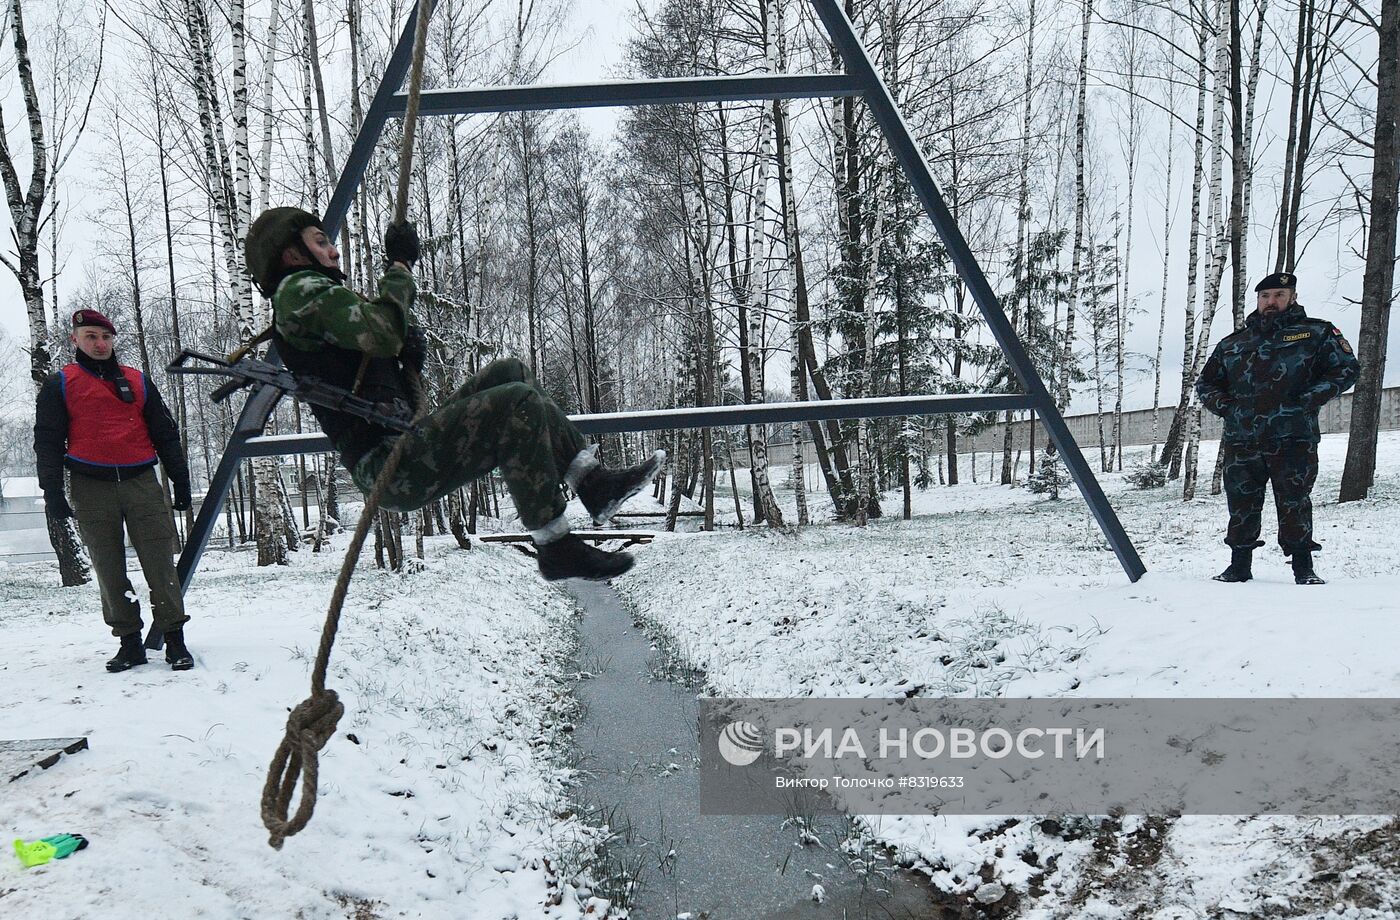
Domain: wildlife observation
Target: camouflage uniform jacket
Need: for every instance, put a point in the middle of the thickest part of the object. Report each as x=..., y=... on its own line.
x=323, y=328
x=1269, y=379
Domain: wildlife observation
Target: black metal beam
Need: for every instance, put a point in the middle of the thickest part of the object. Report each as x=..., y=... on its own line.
x=709, y=417
x=916, y=168
x=478, y=100
x=357, y=160
x=860, y=78
x=772, y=413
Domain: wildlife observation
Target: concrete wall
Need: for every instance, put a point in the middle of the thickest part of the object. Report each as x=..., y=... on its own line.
x=1335, y=417
x=1137, y=426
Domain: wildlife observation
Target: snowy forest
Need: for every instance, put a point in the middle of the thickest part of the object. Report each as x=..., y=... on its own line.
x=1113, y=166
x=512, y=746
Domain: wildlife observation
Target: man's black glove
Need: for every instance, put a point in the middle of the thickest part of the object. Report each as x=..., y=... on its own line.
x=401, y=244
x=414, y=353
x=183, y=501
x=56, y=505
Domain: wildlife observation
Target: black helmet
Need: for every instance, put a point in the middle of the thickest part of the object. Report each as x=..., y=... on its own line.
x=273, y=231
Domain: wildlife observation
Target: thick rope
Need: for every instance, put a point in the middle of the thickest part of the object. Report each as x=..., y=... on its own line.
x=314, y=720
x=410, y=115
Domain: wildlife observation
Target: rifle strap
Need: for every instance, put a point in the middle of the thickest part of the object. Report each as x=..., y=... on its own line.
x=242, y=351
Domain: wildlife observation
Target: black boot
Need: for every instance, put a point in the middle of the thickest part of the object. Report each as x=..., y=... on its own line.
x=570, y=557
x=1241, y=564
x=131, y=654
x=1303, y=573
x=176, y=654
x=603, y=491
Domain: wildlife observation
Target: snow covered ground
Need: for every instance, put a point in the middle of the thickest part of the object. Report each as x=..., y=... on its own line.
x=447, y=802
x=450, y=802
x=991, y=592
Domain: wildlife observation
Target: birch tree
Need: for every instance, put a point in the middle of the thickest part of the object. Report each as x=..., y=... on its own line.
x=26, y=208
x=1378, y=282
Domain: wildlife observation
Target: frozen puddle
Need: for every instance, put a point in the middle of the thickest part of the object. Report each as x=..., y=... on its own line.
x=638, y=747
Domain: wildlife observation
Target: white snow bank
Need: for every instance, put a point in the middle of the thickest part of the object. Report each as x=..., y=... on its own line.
x=992, y=592
x=445, y=804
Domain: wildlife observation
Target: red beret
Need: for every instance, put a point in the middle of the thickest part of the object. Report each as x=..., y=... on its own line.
x=93, y=318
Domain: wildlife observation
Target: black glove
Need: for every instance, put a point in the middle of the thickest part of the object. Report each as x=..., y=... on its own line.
x=56, y=505
x=414, y=353
x=401, y=244
x=183, y=500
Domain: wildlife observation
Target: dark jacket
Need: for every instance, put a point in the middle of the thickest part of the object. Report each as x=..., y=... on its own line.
x=323, y=329
x=1268, y=379
x=51, y=433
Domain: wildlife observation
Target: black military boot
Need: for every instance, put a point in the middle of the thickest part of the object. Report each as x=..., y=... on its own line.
x=603, y=491
x=1303, y=573
x=176, y=654
x=131, y=654
x=1241, y=564
x=570, y=557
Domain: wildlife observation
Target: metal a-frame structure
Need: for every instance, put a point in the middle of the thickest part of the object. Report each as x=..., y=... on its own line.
x=860, y=80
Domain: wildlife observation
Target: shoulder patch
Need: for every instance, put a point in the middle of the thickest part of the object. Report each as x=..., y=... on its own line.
x=1342, y=340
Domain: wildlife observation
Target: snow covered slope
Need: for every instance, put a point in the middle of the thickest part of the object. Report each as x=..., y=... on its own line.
x=445, y=804
x=992, y=592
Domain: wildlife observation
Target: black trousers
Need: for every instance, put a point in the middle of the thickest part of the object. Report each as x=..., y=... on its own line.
x=1291, y=467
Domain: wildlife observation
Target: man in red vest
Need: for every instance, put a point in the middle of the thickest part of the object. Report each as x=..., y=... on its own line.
x=107, y=424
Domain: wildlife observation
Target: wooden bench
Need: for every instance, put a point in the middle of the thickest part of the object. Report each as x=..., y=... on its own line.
x=522, y=541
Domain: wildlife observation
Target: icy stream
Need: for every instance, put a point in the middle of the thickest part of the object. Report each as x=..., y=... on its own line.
x=638, y=748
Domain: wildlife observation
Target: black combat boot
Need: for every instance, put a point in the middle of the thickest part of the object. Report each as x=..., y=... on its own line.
x=131, y=654
x=1241, y=564
x=176, y=654
x=1303, y=573
x=570, y=557
x=603, y=491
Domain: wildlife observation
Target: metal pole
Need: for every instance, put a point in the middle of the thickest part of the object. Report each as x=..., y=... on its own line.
x=381, y=107
x=916, y=168
x=667, y=91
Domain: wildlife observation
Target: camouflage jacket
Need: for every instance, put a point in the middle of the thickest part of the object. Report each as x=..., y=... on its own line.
x=1268, y=379
x=312, y=310
x=324, y=329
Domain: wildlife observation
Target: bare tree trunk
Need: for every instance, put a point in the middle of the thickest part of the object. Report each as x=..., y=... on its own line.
x=865, y=484
x=1023, y=215
x=181, y=400
x=1217, y=247
x=1378, y=282
x=26, y=206
x=138, y=316
x=1080, y=205
x=274, y=32
x=1176, y=432
x=797, y=379
x=758, y=441
x=1166, y=262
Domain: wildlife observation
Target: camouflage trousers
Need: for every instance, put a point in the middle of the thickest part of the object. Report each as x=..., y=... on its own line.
x=497, y=419
x=1291, y=467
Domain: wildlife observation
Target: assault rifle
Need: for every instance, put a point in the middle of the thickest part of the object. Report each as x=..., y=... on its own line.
x=248, y=371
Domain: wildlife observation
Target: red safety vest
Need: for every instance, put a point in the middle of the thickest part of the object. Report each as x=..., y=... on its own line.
x=103, y=430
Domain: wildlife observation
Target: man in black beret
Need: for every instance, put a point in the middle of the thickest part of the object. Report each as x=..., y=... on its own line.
x=1268, y=380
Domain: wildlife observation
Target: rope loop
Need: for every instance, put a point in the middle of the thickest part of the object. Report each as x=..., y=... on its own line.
x=309, y=726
